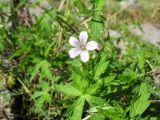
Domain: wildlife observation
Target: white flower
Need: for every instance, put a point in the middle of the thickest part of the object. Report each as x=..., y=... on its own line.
x=81, y=46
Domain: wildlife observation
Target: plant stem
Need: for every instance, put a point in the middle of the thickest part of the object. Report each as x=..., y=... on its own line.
x=14, y=18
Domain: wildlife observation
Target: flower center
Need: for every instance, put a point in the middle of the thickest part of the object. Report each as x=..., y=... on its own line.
x=83, y=47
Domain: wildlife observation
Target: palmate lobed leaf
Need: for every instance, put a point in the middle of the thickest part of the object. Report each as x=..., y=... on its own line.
x=47, y=97
x=101, y=67
x=40, y=102
x=79, y=82
x=37, y=94
x=68, y=90
x=44, y=66
x=45, y=22
x=45, y=69
x=101, y=108
x=130, y=76
x=140, y=103
x=92, y=89
x=109, y=79
x=44, y=86
x=36, y=70
x=78, y=108
x=79, y=71
x=20, y=51
x=96, y=101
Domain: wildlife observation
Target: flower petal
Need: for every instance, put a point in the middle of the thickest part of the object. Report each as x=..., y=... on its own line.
x=83, y=37
x=92, y=45
x=74, y=41
x=74, y=52
x=84, y=56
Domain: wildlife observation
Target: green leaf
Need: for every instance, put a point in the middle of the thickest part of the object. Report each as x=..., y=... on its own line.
x=99, y=4
x=77, y=108
x=68, y=90
x=97, y=116
x=40, y=42
x=44, y=86
x=36, y=70
x=101, y=107
x=102, y=66
x=93, y=88
x=45, y=22
x=45, y=69
x=40, y=101
x=80, y=83
x=81, y=6
x=37, y=94
x=20, y=51
x=129, y=76
x=109, y=79
x=97, y=21
x=95, y=101
x=96, y=26
x=78, y=71
x=48, y=49
x=140, y=103
x=153, y=118
x=47, y=97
